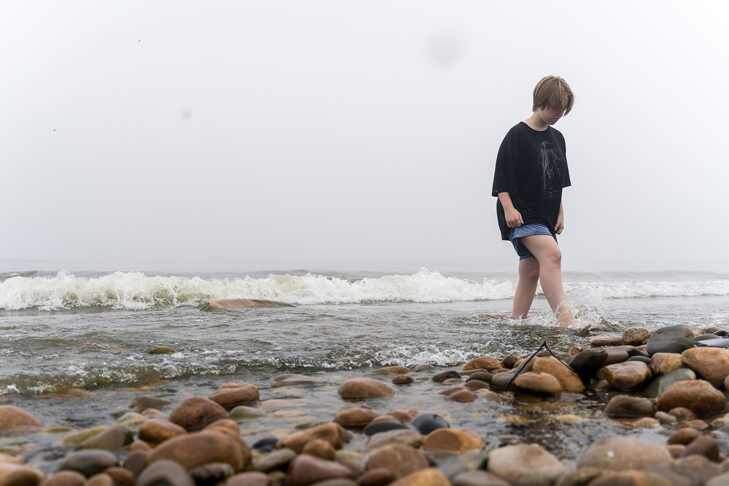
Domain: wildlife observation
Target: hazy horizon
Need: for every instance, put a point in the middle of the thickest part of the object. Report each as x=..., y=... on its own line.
x=347, y=136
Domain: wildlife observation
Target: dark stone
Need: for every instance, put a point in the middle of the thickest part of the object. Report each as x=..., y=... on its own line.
x=211, y=474
x=626, y=406
x=500, y=381
x=662, y=382
x=444, y=375
x=267, y=444
x=89, y=462
x=644, y=359
x=481, y=375
x=165, y=473
x=428, y=422
x=671, y=339
x=136, y=462
x=509, y=361
x=586, y=363
x=703, y=445
x=377, y=427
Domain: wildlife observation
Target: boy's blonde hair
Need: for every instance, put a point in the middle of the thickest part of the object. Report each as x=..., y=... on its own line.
x=554, y=92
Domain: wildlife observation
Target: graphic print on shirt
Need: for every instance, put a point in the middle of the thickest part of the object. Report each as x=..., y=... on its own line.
x=551, y=163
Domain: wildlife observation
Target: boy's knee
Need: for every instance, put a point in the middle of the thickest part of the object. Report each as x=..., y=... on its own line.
x=553, y=258
x=530, y=268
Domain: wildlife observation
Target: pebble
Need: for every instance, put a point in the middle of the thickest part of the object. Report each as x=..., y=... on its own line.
x=683, y=436
x=142, y=403
x=266, y=444
x=64, y=478
x=538, y=383
x=625, y=376
x=164, y=472
x=623, y=453
x=697, y=395
x=664, y=363
x=331, y=432
x=249, y=479
x=19, y=475
x=606, y=340
x=445, y=375
x=135, y=462
x=525, y=465
x=428, y=422
x=88, y=462
x=625, y=406
x=567, y=378
x=243, y=412
x=703, y=445
x=319, y=448
x=661, y=383
x=100, y=480
x=362, y=388
x=383, y=426
x=231, y=397
x=402, y=380
x=111, y=439
x=278, y=459
x=355, y=417
x=211, y=474
x=478, y=478
x=482, y=363
x=16, y=419
x=670, y=339
x=481, y=375
x=712, y=364
x=424, y=477
x=196, y=413
x=407, y=436
x=377, y=477
x=399, y=459
x=587, y=363
x=305, y=470
x=120, y=476
x=452, y=440
x=636, y=336
x=156, y=431
x=199, y=448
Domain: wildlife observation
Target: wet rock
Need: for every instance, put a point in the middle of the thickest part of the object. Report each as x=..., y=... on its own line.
x=319, y=448
x=199, y=448
x=330, y=432
x=131, y=420
x=229, y=398
x=445, y=375
x=428, y=422
x=482, y=363
x=424, y=477
x=266, y=444
x=399, y=459
x=697, y=468
x=481, y=375
x=404, y=415
x=671, y=339
x=249, y=479
x=462, y=395
x=88, y=462
x=478, y=478
x=683, y=436
x=76, y=438
x=636, y=336
x=661, y=383
x=196, y=413
x=579, y=477
x=525, y=464
x=166, y=473
x=121, y=476
x=625, y=376
x=355, y=417
x=278, y=459
x=239, y=304
x=642, y=359
x=100, y=480
x=136, y=462
x=695, y=424
x=140, y=404
x=682, y=414
x=606, y=340
x=665, y=418
x=630, y=478
x=625, y=406
x=16, y=419
x=293, y=380
x=361, y=388
x=587, y=363
x=61, y=478
x=111, y=439
x=383, y=426
x=393, y=370
x=19, y=475
x=402, y=380
x=538, y=383
x=407, y=437
x=243, y=412
x=503, y=381
x=156, y=431
x=710, y=363
x=377, y=477
x=211, y=474
x=703, y=445
x=161, y=350
x=664, y=363
x=305, y=470
x=452, y=440
x=568, y=379
x=696, y=395
x=623, y=453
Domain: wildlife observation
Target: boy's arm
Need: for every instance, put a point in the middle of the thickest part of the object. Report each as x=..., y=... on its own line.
x=559, y=226
x=511, y=214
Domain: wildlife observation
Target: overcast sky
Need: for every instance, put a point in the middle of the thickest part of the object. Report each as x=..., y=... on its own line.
x=354, y=135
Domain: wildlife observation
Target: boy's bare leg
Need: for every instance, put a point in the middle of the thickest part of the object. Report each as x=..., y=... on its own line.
x=547, y=253
x=526, y=287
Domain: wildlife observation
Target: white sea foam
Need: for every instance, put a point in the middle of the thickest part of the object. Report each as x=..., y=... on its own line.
x=137, y=291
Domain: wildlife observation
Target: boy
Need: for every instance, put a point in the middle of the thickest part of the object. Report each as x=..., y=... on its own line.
x=531, y=171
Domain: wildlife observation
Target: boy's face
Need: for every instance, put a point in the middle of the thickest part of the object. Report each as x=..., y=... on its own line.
x=550, y=115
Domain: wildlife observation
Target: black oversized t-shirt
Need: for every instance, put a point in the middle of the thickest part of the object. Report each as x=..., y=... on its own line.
x=532, y=167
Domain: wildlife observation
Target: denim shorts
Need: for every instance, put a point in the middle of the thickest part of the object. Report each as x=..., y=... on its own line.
x=527, y=230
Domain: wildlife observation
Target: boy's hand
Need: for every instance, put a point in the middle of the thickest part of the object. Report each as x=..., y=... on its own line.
x=513, y=218
x=559, y=227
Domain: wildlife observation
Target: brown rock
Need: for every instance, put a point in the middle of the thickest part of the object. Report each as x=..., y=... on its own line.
x=630, y=478
x=635, y=336
x=330, y=432
x=625, y=406
x=62, y=478
x=306, y=470
x=249, y=479
x=682, y=414
x=14, y=418
x=196, y=413
x=697, y=424
x=606, y=340
x=478, y=478
x=196, y=449
x=229, y=398
x=664, y=363
x=100, y=480
x=399, y=459
x=393, y=370
x=120, y=476
x=568, y=379
x=377, y=477
x=156, y=431
x=452, y=440
x=683, y=436
x=404, y=436
x=136, y=462
x=165, y=472
x=525, y=465
x=355, y=417
x=538, y=383
x=404, y=416
x=710, y=363
x=703, y=445
x=623, y=453
x=319, y=448
x=675, y=450
x=696, y=395
x=111, y=439
x=402, y=380
x=482, y=363
x=424, y=477
x=360, y=388
x=19, y=475
x=462, y=395
x=627, y=375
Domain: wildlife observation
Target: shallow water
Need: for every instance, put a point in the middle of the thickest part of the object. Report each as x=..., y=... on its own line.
x=62, y=332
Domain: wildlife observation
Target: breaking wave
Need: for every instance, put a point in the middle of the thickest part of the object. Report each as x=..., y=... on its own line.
x=138, y=291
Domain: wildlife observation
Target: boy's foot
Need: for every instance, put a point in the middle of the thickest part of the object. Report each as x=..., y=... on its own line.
x=564, y=315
